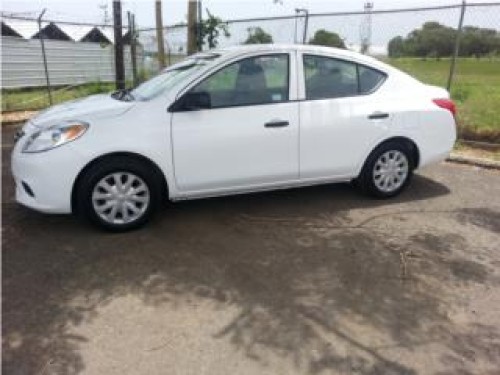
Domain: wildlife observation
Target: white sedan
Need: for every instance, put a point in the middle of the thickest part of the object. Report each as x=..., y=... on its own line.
x=230, y=121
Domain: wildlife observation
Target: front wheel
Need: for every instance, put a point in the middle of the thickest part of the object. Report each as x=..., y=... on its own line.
x=119, y=194
x=387, y=171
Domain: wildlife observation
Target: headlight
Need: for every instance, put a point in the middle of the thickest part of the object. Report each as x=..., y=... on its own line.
x=54, y=136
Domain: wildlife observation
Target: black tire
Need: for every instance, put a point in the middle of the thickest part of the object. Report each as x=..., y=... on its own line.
x=129, y=165
x=366, y=179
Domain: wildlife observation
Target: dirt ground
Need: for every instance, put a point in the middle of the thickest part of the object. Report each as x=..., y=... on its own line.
x=309, y=281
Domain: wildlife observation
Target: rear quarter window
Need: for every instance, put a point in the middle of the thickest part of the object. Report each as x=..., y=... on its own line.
x=369, y=79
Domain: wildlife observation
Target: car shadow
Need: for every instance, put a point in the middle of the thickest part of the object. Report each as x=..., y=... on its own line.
x=312, y=284
x=325, y=197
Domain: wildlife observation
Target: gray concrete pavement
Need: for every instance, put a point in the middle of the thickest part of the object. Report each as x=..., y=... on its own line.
x=310, y=281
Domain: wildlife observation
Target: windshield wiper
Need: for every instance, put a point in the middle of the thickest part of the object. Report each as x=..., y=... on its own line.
x=123, y=95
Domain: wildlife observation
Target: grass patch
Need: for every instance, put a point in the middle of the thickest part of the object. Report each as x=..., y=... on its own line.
x=37, y=98
x=475, y=89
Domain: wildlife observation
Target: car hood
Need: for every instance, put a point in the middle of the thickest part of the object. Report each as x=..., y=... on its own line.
x=95, y=106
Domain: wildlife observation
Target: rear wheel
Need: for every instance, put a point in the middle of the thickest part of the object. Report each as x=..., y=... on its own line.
x=119, y=193
x=387, y=171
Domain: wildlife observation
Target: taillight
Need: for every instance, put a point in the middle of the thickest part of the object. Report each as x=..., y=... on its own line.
x=446, y=104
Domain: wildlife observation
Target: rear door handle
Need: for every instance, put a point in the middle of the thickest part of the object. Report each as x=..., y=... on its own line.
x=378, y=115
x=276, y=124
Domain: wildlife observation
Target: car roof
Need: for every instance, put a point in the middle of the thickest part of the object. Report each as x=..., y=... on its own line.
x=229, y=52
x=280, y=46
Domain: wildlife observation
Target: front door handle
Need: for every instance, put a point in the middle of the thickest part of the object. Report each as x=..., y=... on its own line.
x=378, y=115
x=276, y=124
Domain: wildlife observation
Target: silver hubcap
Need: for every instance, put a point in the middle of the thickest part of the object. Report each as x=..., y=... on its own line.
x=120, y=198
x=390, y=171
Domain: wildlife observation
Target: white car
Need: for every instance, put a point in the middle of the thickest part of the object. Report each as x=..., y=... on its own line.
x=235, y=120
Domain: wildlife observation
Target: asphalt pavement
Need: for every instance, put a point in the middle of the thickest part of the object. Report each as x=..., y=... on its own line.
x=316, y=280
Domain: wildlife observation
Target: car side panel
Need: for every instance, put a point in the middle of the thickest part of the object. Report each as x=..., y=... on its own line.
x=147, y=133
x=437, y=135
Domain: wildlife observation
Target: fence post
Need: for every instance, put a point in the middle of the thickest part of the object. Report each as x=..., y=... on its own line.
x=40, y=35
x=457, y=46
x=131, y=30
x=306, y=24
x=295, y=29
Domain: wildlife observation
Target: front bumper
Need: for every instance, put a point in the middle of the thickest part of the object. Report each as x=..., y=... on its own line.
x=44, y=181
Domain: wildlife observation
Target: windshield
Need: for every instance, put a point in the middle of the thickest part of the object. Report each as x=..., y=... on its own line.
x=169, y=77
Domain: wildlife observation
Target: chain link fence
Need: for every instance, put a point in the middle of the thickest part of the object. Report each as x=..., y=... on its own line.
x=475, y=84
x=420, y=41
x=80, y=60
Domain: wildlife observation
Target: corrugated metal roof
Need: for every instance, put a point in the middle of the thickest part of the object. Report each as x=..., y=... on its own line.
x=108, y=33
x=24, y=28
x=8, y=31
x=52, y=31
x=28, y=29
x=95, y=35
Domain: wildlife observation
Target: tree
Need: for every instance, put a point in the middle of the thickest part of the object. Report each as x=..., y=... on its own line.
x=211, y=29
x=256, y=35
x=436, y=40
x=478, y=42
x=327, y=38
x=396, y=47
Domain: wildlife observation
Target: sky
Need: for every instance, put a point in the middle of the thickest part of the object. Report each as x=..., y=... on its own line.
x=175, y=11
x=350, y=28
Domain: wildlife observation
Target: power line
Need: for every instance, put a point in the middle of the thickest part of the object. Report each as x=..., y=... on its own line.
x=284, y=17
x=23, y=18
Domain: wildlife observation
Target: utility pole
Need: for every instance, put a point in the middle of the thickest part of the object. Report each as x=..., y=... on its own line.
x=131, y=30
x=104, y=8
x=306, y=23
x=40, y=35
x=192, y=46
x=159, y=35
x=117, y=25
x=366, y=28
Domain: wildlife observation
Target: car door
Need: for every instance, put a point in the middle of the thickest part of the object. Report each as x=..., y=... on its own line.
x=249, y=134
x=339, y=118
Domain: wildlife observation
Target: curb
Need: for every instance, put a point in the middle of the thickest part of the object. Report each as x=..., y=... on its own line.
x=12, y=123
x=477, y=162
x=24, y=116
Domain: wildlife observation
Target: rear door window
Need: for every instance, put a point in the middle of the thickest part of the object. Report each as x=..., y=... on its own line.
x=327, y=77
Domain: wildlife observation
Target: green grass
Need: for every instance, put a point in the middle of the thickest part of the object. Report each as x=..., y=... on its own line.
x=475, y=89
x=37, y=98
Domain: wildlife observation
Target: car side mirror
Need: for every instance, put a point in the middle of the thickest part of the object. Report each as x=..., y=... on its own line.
x=192, y=101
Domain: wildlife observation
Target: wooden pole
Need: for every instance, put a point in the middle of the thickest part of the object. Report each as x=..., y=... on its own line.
x=117, y=25
x=192, y=32
x=159, y=35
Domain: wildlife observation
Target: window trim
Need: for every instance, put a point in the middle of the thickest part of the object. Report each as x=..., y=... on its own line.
x=192, y=86
x=356, y=64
